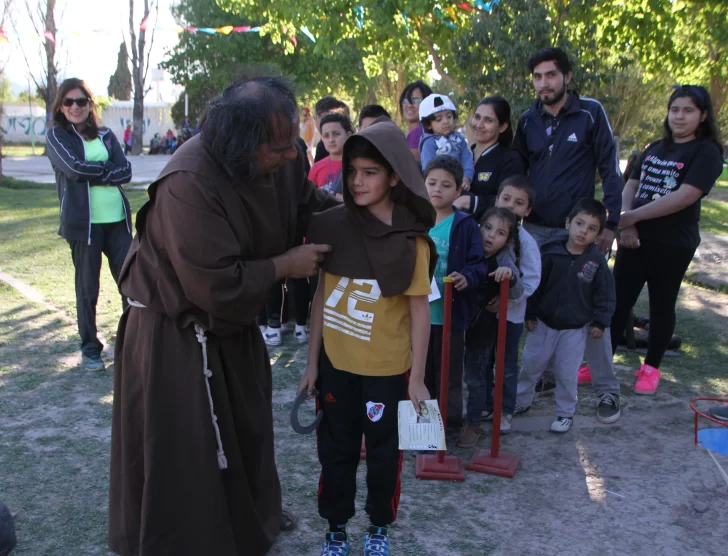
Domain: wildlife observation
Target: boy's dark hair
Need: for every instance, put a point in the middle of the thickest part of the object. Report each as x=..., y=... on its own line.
x=556, y=55
x=592, y=207
x=708, y=128
x=512, y=219
x=520, y=182
x=373, y=111
x=427, y=122
x=335, y=117
x=447, y=163
x=407, y=92
x=358, y=147
x=328, y=104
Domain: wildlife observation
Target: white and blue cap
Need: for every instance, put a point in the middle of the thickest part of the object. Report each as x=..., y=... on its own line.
x=435, y=103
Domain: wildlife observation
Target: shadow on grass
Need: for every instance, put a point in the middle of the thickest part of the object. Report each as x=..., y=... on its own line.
x=54, y=433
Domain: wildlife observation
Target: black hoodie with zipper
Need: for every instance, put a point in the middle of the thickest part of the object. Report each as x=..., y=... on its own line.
x=575, y=290
x=75, y=176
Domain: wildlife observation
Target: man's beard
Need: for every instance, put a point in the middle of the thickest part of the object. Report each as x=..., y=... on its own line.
x=558, y=95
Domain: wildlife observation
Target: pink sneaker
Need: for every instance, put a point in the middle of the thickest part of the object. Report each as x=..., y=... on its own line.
x=584, y=375
x=647, y=380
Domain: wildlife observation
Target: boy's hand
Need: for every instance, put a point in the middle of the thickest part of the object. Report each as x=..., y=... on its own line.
x=596, y=333
x=492, y=306
x=531, y=325
x=462, y=202
x=466, y=184
x=459, y=282
x=308, y=380
x=418, y=393
x=502, y=273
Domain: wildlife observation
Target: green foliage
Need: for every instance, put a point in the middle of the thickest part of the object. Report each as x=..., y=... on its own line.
x=120, y=81
x=23, y=97
x=6, y=90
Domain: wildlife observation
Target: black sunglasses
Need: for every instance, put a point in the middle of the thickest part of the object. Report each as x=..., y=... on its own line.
x=80, y=102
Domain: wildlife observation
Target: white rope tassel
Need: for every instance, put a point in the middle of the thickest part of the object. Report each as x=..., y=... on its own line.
x=202, y=339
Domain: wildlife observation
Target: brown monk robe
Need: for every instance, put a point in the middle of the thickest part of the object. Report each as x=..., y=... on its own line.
x=192, y=464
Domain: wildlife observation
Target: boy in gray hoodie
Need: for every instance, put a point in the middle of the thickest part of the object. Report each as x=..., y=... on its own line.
x=575, y=298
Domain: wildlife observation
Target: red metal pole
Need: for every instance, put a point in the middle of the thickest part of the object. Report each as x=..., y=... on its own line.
x=497, y=463
x=500, y=364
x=445, y=359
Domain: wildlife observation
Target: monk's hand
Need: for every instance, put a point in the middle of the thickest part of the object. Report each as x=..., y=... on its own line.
x=308, y=381
x=300, y=262
x=418, y=393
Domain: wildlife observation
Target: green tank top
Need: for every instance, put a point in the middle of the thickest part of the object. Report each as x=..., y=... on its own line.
x=107, y=205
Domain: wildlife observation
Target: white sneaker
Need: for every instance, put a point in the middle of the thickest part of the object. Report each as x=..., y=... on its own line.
x=505, y=426
x=263, y=328
x=272, y=336
x=562, y=424
x=301, y=335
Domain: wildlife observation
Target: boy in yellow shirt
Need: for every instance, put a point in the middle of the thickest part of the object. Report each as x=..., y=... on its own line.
x=370, y=326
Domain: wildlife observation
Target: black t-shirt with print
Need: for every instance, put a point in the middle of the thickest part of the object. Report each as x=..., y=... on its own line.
x=662, y=169
x=495, y=164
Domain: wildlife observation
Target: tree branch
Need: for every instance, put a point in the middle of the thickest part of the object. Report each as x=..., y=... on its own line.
x=438, y=65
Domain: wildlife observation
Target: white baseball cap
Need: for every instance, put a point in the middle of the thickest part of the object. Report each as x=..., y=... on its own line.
x=434, y=104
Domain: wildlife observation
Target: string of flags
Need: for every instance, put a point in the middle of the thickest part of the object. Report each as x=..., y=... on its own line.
x=359, y=12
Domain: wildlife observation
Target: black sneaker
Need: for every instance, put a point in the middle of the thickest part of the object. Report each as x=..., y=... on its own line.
x=543, y=386
x=92, y=363
x=608, y=409
x=521, y=409
x=487, y=415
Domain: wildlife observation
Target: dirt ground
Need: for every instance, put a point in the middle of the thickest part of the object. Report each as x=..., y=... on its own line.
x=637, y=487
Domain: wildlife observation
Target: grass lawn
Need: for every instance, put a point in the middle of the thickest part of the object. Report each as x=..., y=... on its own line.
x=23, y=150
x=55, y=435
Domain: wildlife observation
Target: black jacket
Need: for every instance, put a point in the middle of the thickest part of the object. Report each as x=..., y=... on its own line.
x=573, y=292
x=562, y=167
x=75, y=176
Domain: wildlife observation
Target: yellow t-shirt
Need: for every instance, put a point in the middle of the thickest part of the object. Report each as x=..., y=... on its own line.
x=366, y=333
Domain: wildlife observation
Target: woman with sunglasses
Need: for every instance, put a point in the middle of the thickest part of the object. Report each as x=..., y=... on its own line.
x=659, y=230
x=409, y=106
x=90, y=167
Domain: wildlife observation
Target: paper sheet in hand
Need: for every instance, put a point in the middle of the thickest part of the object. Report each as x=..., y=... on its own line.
x=420, y=432
x=434, y=291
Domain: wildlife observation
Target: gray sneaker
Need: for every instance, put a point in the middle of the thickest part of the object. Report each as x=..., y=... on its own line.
x=92, y=363
x=608, y=409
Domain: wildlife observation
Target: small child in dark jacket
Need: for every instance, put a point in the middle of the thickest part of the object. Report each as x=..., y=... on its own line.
x=460, y=256
x=575, y=298
x=499, y=229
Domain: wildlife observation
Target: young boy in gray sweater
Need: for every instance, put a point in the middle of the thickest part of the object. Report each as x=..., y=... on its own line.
x=574, y=299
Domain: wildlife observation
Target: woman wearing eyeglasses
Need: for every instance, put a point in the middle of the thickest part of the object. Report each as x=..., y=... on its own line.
x=90, y=167
x=659, y=226
x=409, y=105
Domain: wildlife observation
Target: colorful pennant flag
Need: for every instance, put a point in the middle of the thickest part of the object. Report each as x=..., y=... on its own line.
x=308, y=33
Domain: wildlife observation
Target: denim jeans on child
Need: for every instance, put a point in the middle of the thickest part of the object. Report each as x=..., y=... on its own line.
x=514, y=330
x=479, y=346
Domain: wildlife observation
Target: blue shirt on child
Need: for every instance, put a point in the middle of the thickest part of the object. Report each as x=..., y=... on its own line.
x=454, y=145
x=440, y=235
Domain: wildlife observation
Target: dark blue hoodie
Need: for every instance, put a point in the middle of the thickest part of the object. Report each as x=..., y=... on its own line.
x=562, y=166
x=575, y=290
x=466, y=256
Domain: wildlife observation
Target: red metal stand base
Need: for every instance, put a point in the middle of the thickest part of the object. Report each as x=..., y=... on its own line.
x=505, y=465
x=450, y=469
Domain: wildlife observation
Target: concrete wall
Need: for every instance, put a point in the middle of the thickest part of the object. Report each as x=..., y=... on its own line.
x=20, y=125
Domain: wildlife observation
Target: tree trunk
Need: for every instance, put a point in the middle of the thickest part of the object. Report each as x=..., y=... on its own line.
x=50, y=49
x=137, y=73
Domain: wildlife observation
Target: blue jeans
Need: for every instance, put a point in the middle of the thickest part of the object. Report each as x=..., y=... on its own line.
x=510, y=376
x=479, y=346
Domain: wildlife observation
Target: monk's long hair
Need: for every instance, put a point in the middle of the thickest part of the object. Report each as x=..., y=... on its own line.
x=91, y=131
x=244, y=117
